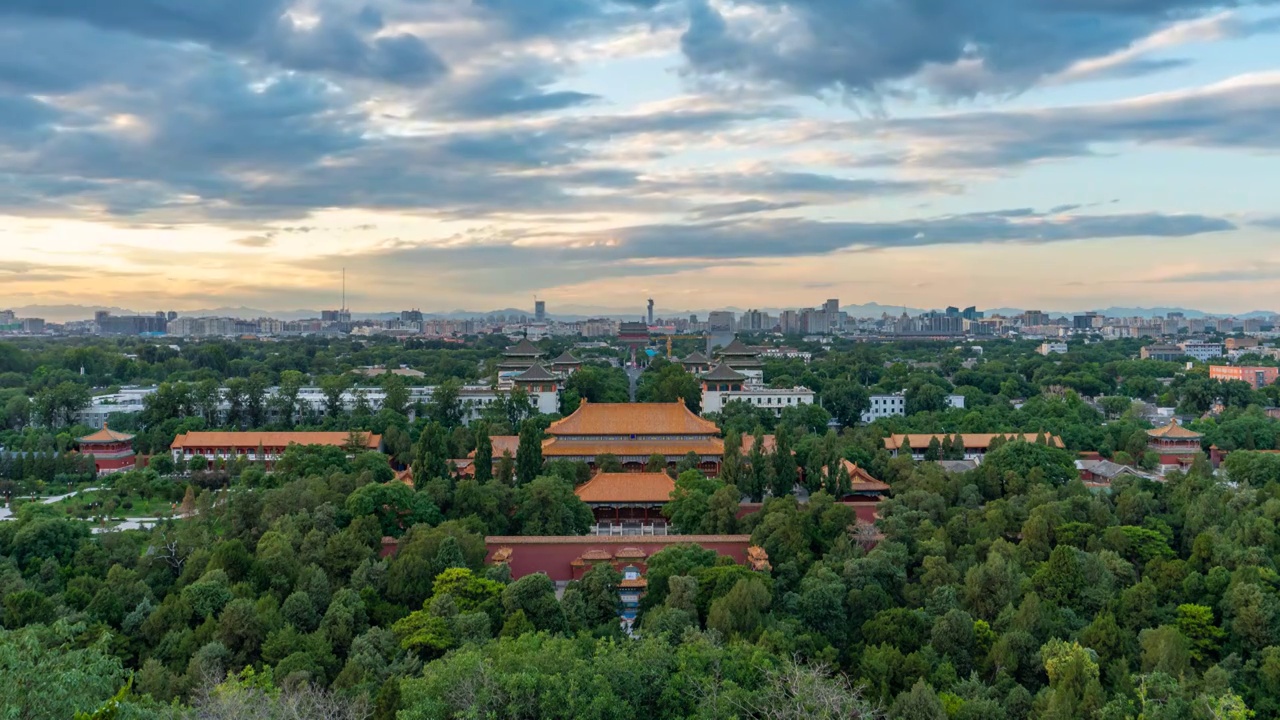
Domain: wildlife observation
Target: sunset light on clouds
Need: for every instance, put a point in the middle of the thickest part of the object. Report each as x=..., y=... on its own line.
x=472, y=153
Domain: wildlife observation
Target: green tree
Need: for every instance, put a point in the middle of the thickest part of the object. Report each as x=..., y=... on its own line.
x=548, y=506
x=918, y=703
x=535, y=597
x=1074, y=690
x=432, y=457
x=529, y=453
x=739, y=613
x=483, y=463
x=50, y=671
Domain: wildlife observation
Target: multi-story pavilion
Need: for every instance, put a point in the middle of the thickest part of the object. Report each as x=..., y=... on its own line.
x=1176, y=445
x=112, y=451
x=519, y=357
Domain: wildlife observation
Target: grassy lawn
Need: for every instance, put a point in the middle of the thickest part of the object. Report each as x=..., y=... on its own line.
x=100, y=502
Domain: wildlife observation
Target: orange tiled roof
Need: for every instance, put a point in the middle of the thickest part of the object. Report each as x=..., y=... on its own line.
x=633, y=583
x=268, y=439
x=596, y=555
x=630, y=553
x=1175, y=431
x=920, y=441
x=767, y=443
x=105, y=435
x=633, y=419
x=501, y=555
x=627, y=488
x=559, y=447
x=862, y=480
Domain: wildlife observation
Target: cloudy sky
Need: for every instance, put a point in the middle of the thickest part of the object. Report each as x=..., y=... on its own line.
x=1060, y=154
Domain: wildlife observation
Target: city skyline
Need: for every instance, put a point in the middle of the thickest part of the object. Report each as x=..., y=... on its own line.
x=707, y=153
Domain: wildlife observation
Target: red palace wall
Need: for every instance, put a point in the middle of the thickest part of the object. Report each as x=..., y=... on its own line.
x=553, y=555
x=114, y=464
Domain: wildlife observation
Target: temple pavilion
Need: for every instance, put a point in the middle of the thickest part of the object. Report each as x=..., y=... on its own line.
x=112, y=451
x=519, y=357
x=743, y=359
x=1176, y=445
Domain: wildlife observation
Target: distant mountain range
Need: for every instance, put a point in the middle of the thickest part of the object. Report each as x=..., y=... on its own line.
x=569, y=313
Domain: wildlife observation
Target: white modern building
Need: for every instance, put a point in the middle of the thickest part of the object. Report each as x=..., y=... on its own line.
x=739, y=375
x=101, y=407
x=895, y=405
x=1201, y=350
x=1052, y=348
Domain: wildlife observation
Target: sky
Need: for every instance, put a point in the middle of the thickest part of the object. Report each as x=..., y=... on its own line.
x=1055, y=154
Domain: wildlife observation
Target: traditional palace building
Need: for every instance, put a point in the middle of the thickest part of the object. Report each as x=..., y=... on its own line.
x=739, y=375
x=112, y=451
x=632, y=432
x=1176, y=445
x=628, y=503
x=519, y=357
x=522, y=367
x=975, y=444
x=264, y=447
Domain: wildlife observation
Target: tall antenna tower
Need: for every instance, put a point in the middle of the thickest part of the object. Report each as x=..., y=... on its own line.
x=344, y=289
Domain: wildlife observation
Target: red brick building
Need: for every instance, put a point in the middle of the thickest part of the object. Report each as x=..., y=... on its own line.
x=231, y=445
x=1257, y=377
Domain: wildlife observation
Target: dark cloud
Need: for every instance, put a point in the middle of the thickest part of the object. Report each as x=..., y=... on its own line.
x=719, y=211
x=505, y=92
x=792, y=184
x=1260, y=272
x=1243, y=113
x=254, y=241
x=503, y=260
x=341, y=41
x=231, y=22
x=795, y=236
x=526, y=18
x=863, y=48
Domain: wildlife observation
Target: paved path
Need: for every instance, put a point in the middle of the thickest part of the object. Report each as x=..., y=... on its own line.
x=141, y=523
x=6, y=513
x=633, y=377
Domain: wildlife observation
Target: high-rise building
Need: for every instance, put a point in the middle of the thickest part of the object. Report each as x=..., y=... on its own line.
x=109, y=324
x=832, y=310
x=540, y=310
x=1087, y=321
x=650, y=311
x=720, y=321
x=790, y=322
x=410, y=316
x=1035, y=317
